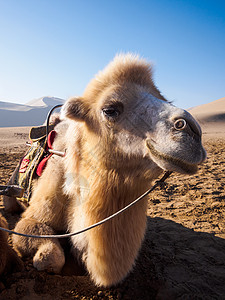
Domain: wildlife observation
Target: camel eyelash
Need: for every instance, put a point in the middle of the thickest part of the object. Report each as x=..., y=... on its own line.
x=113, y=110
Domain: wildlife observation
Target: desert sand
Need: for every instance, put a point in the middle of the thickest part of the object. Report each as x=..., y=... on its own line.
x=183, y=254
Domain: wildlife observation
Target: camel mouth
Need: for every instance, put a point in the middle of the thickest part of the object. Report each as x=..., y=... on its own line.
x=175, y=164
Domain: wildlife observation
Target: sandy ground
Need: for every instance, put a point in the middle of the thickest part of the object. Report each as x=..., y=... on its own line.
x=182, y=257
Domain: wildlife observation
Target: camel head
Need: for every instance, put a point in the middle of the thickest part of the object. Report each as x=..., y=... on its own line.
x=124, y=113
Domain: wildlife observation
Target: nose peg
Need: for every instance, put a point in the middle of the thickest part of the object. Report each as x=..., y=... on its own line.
x=180, y=124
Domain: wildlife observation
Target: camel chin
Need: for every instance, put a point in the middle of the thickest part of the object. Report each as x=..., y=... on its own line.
x=168, y=162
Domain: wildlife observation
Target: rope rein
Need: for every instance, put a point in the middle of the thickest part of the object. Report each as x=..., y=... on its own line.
x=66, y=235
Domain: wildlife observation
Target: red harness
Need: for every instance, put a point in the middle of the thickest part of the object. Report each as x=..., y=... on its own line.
x=41, y=166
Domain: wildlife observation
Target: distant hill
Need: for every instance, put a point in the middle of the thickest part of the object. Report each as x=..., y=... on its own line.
x=45, y=102
x=210, y=112
x=31, y=114
x=211, y=116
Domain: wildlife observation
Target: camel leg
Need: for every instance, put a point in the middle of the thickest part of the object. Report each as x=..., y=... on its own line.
x=48, y=254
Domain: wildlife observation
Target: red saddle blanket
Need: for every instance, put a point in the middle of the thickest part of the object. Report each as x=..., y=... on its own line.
x=34, y=161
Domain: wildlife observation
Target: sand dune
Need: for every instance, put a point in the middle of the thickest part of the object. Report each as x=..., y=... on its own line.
x=31, y=114
x=211, y=117
x=210, y=111
x=45, y=102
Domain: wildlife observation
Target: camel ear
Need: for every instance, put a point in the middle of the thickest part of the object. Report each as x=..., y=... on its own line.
x=74, y=108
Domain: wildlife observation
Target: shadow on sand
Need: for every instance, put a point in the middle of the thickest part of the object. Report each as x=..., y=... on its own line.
x=178, y=263
x=174, y=263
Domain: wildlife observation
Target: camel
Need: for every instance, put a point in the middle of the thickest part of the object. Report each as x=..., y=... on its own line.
x=8, y=258
x=119, y=136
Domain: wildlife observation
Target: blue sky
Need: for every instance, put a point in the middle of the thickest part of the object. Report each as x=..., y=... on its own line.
x=53, y=48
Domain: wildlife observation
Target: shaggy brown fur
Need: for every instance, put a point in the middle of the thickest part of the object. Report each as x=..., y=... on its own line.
x=121, y=70
x=107, y=165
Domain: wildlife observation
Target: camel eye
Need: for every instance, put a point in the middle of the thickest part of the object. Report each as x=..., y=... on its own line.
x=111, y=112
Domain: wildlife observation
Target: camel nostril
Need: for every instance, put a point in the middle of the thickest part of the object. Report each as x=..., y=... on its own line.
x=180, y=124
